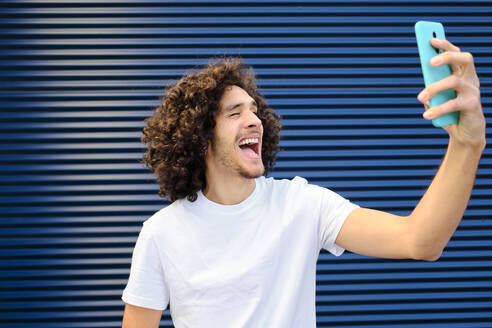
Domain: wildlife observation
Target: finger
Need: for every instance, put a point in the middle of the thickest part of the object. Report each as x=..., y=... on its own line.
x=450, y=106
x=464, y=104
x=462, y=64
x=422, y=97
x=444, y=45
x=453, y=58
x=450, y=82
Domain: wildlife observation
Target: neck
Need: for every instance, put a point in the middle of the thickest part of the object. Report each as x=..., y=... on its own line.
x=229, y=191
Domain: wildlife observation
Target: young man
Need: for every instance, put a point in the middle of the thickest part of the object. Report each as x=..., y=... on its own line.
x=237, y=249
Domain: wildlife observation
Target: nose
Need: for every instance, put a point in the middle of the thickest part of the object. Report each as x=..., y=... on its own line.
x=252, y=120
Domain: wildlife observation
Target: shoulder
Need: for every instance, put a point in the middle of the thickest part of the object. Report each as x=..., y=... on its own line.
x=164, y=217
x=300, y=189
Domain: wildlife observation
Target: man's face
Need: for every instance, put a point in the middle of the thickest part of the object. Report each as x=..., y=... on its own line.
x=238, y=133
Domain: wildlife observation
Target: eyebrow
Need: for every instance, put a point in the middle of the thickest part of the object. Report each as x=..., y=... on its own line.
x=233, y=106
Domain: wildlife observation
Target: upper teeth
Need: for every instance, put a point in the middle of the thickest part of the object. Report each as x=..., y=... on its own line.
x=248, y=141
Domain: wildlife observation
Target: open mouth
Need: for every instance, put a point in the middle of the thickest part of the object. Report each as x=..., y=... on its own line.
x=250, y=147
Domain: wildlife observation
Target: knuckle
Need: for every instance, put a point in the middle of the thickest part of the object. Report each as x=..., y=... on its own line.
x=454, y=80
x=468, y=57
x=474, y=89
x=470, y=88
x=473, y=102
x=452, y=46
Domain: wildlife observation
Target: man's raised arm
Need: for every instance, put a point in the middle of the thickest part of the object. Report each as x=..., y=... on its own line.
x=426, y=231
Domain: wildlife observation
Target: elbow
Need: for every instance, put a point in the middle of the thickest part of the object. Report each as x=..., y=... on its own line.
x=432, y=257
x=428, y=255
x=429, y=250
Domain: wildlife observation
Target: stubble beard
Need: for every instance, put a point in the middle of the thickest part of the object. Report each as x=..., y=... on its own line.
x=225, y=158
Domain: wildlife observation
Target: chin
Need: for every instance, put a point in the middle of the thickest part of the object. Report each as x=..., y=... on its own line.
x=253, y=174
x=250, y=176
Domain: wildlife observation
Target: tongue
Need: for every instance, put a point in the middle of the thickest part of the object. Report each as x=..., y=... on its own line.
x=249, y=152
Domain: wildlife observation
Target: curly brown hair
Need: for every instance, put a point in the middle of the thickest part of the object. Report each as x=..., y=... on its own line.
x=182, y=126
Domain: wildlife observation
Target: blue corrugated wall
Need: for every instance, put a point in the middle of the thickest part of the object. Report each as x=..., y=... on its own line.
x=77, y=79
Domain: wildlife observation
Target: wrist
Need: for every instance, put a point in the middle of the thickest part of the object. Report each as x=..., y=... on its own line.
x=470, y=147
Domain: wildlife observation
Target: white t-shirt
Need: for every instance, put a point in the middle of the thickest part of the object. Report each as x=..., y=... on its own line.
x=251, y=264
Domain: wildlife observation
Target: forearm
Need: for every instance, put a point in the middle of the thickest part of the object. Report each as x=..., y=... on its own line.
x=440, y=210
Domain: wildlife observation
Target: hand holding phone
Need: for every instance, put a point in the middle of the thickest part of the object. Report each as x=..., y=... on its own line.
x=424, y=32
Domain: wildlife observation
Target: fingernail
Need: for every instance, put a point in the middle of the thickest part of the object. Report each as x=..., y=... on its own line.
x=422, y=96
x=427, y=115
x=436, y=60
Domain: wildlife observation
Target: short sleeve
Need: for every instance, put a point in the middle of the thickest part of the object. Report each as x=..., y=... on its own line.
x=334, y=210
x=147, y=284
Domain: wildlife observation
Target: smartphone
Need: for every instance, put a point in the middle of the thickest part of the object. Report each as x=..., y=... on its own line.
x=424, y=32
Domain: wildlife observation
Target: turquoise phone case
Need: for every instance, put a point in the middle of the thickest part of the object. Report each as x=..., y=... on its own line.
x=424, y=32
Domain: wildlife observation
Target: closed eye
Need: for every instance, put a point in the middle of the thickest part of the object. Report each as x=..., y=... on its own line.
x=254, y=109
